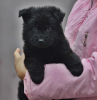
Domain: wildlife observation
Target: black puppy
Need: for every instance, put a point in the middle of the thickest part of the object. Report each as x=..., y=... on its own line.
x=44, y=43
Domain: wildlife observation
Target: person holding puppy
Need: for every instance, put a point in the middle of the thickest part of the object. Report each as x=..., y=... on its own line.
x=81, y=32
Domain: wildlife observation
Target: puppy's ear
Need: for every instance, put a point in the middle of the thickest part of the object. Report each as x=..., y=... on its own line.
x=25, y=13
x=58, y=14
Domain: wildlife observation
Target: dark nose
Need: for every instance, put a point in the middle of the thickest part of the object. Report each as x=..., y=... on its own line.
x=41, y=40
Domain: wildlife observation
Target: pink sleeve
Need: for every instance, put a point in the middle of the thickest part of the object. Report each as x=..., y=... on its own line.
x=58, y=82
x=75, y=20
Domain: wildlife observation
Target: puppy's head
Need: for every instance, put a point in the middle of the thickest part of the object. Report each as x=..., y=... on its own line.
x=42, y=26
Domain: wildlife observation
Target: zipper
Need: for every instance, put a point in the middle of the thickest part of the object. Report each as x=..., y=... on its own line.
x=91, y=3
x=86, y=35
x=84, y=47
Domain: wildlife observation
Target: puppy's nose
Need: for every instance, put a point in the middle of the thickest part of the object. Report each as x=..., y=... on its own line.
x=41, y=40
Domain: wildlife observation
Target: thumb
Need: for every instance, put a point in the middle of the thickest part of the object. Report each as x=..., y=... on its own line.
x=17, y=53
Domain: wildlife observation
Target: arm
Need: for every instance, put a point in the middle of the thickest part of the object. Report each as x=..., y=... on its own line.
x=70, y=86
x=59, y=83
x=75, y=20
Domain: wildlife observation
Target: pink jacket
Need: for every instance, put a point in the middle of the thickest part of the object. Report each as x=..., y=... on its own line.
x=58, y=83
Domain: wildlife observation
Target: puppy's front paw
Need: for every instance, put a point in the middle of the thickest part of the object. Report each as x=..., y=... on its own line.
x=37, y=76
x=35, y=69
x=77, y=69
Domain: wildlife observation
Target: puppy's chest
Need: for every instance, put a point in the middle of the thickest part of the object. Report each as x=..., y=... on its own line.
x=51, y=58
x=48, y=57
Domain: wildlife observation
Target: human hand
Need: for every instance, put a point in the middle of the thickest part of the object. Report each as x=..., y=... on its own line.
x=19, y=64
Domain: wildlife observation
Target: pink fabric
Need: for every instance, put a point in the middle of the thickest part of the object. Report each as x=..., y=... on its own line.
x=58, y=82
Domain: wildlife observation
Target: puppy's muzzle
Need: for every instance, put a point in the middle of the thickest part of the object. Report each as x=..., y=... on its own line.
x=41, y=39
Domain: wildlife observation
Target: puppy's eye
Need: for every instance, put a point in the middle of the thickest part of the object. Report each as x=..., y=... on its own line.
x=34, y=29
x=49, y=28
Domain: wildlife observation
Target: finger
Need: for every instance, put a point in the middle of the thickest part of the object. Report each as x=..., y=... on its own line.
x=17, y=53
x=18, y=50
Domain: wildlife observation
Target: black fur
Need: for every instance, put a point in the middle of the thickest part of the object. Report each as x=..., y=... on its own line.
x=44, y=43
